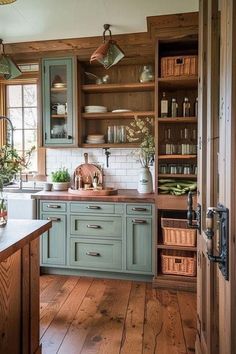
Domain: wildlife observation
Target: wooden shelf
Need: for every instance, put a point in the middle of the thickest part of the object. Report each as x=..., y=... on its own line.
x=112, y=115
x=183, y=82
x=178, y=120
x=108, y=145
x=59, y=89
x=58, y=115
x=175, y=157
x=179, y=282
x=176, y=176
x=180, y=248
x=110, y=88
x=174, y=202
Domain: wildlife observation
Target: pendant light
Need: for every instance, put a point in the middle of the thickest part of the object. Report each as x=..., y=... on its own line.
x=108, y=53
x=8, y=69
x=6, y=2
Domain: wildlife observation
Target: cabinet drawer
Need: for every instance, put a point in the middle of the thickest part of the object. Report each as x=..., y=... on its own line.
x=142, y=209
x=95, y=254
x=83, y=225
x=92, y=208
x=53, y=206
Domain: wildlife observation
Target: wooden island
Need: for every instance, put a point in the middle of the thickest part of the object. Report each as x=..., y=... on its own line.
x=19, y=286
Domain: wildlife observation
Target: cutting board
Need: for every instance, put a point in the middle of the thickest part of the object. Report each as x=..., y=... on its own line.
x=87, y=171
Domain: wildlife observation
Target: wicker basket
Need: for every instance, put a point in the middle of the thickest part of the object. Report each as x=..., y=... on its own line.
x=176, y=233
x=178, y=263
x=179, y=66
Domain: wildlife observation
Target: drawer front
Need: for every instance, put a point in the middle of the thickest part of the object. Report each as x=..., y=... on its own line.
x=92, y=208
x=52, y=206
x=139, y=209
x=101, y=226
x=95, y=254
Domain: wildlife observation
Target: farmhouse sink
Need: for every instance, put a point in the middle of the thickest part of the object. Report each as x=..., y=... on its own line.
x=21, y=190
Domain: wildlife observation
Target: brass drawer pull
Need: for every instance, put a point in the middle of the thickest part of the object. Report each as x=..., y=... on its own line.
x=93, y=207
x=94, y=227
x=139, y=221
x=93, y=254
x=53, y=206
x=139, y=209
x=53, y=219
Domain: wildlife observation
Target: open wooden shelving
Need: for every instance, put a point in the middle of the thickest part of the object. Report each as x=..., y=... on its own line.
x=118, y=115
x=177, y=176
x=180, y=248
x=178, y=120
x=110, y=88
x=176, y=157
x=58, y=89
x=58, y=115
x=181, y=82
x=111, y=145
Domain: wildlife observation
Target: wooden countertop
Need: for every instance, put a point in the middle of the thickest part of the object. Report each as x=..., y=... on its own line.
x=17, y=233
x=124, y=195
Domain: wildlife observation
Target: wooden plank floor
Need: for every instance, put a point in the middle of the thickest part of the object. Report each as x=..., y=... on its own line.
x=90, y=316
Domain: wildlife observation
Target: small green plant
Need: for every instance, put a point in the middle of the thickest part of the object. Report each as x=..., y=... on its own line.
x=62, y=175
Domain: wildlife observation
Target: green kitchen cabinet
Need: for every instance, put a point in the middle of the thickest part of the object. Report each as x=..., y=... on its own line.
x=59, y=104
x=53, y=242
x=139, y=244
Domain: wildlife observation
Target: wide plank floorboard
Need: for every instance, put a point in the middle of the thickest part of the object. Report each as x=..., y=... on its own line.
x=96, y=316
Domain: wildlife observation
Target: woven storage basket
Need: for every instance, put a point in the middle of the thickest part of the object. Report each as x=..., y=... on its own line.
x=178, y=263
x=179, y=66
x=176, y=233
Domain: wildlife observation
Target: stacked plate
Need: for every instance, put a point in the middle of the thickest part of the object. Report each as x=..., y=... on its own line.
x=95, y=109
x=95, y=139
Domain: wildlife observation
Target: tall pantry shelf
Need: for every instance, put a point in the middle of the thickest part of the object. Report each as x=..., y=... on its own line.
x=176, y=160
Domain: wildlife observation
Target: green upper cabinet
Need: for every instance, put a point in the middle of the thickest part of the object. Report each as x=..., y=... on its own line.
x=59, y=103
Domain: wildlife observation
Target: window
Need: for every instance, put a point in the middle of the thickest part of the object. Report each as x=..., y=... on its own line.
x=22, y=110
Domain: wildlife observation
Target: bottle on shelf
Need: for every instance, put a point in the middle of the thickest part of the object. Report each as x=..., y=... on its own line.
x=164, y=106
x=174, y=108
x=196, y=107
x=194, y=142
x=186, y=107
x=170, y=147
x=186, y=144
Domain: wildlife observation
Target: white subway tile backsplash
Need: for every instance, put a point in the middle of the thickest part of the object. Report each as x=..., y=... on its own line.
x=122, y=172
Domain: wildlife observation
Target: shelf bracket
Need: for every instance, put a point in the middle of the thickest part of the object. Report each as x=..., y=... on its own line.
x=107, y=153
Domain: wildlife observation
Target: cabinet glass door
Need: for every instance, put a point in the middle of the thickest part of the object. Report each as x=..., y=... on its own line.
x=58, y=105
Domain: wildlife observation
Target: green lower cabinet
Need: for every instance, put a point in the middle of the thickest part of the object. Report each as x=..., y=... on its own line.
x=54, y=241
x=93, y=254
x=139, y=244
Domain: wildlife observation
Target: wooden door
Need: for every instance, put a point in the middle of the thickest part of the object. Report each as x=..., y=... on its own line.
x=217, y=81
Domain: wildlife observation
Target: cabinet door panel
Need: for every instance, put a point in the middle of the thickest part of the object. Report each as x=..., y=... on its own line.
x=139, y=244
x=95, y=254
x=54, y=241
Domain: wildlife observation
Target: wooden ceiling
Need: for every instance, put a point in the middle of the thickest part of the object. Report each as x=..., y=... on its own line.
x=134, y=45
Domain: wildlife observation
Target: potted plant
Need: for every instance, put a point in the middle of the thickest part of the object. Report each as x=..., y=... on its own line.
x=61, y=179
x=141, y=131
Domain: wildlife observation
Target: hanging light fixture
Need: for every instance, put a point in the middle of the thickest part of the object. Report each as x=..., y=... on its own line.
x=8, y=69
x=6, y=2
x=108, y=53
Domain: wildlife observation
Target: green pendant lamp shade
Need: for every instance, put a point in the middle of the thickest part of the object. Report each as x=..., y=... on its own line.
x=8, y=68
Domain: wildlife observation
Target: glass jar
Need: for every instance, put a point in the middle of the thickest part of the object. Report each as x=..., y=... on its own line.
x=147, y=74
x=163, y=169
x=173, y=169
x=186, y=169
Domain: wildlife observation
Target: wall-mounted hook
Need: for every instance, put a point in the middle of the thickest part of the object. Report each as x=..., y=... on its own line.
x=107, y=153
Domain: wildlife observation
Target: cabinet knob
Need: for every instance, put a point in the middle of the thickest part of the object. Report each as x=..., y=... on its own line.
x=93, y=207
x=53, y=219
x=139, y=221
x=139, y=209
x=93, y=226
x=69, y=136
x=53, y=206
x=93, y=254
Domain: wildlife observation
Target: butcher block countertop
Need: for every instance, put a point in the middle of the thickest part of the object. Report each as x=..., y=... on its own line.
x=123, y=196
x=17, y=233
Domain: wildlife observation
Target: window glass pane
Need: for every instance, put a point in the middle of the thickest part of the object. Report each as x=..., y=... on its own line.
x=15, y=114
x=30, y=95
x=30, y=139
x=14, y=96
x=18, y=140
x=30, y=118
